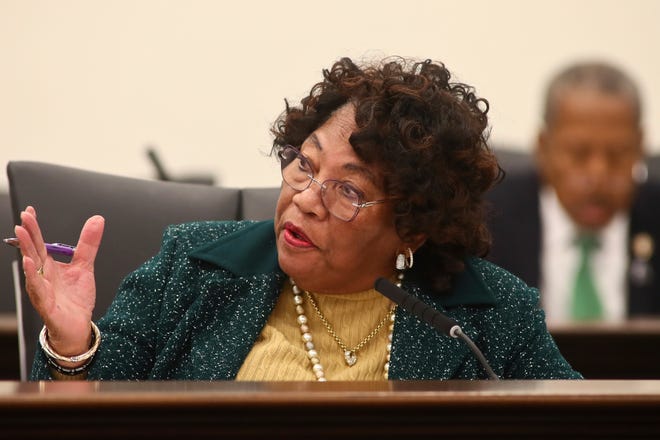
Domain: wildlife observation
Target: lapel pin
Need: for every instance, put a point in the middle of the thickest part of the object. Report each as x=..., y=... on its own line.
x=643, y=246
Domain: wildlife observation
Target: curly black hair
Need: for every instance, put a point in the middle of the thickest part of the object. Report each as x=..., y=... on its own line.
x=428, y=138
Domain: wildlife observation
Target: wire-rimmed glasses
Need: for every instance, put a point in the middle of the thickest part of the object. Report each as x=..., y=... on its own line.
x=341, y=199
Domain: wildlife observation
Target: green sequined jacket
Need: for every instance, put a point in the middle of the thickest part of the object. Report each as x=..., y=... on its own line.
x=193, y=312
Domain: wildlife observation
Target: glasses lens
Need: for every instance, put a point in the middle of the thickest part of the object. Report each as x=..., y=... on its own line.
x=287, y=155
x=341, y=199
x=296, y=172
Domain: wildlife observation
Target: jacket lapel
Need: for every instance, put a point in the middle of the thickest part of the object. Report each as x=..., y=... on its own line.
x=644, y=269
x=237, y=292
x=228, y=316
x=248, y=251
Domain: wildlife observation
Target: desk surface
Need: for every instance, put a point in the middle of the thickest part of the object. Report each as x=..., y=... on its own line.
x=471, y=409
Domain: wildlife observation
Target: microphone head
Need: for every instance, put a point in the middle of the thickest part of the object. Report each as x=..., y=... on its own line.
x=380, y=282
x=390, y=290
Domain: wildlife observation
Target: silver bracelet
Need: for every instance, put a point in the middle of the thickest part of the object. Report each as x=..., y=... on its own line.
x=43, y=340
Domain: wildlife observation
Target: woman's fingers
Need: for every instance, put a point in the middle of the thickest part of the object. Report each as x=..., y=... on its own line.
x=34, y=283
x=89, y=242
x=33, y=246
x=27, y=246
x=29, y=222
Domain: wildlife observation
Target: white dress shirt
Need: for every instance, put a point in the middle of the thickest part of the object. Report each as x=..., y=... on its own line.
x=560, y=259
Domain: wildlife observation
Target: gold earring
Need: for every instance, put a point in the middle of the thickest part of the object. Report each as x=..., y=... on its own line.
x=403, y=261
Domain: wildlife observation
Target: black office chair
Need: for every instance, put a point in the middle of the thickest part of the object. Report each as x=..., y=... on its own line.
x=653, y=166
x=258, y=203
x=514, y=161
x=7, y=255
x=136, y=213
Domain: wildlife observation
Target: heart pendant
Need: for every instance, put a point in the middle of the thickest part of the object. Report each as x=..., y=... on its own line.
x=350, y=357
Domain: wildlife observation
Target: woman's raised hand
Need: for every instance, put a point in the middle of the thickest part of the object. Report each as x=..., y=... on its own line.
x=63, y=294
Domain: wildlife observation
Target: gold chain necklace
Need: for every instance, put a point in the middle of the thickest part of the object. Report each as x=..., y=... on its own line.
x=350, y=354
x=308, y=340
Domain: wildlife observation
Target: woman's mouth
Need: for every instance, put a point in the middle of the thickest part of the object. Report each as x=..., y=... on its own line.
x=295, y=236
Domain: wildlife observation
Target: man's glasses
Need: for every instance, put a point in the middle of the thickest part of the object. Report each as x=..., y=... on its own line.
x=341, y=199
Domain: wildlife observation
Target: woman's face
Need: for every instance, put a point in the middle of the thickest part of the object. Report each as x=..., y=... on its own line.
x=319, y=251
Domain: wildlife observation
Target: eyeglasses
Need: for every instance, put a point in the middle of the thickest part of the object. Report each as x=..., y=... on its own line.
x=341, y=199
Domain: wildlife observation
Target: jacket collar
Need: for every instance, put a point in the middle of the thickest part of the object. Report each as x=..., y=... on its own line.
x=249, y=251
x=469, y=288
x=252, y=250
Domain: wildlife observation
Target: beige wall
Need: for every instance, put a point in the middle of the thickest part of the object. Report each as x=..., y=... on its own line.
x=89, y=83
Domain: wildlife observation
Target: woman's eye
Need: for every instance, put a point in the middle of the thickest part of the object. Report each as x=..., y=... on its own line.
x=303, y=164
x=349, y=192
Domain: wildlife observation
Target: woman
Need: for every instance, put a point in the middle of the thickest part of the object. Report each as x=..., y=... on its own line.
x=383, y=168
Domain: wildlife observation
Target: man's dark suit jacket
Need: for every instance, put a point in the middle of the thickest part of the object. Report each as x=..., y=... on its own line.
x=516, y=228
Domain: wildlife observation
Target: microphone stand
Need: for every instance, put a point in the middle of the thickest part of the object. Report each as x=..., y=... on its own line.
x=434, y=318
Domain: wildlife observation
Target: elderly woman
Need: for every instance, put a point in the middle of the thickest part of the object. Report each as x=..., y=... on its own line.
x=383, y=168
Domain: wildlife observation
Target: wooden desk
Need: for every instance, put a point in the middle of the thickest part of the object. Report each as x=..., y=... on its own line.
x=191, y=410
x=627, y=350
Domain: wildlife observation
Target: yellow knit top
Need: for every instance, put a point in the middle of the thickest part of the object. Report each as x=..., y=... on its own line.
x=279, y=353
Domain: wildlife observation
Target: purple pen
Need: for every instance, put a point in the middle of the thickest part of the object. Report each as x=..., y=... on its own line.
x=51, y=248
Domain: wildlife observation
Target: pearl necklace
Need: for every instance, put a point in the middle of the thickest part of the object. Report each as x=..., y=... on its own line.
x=349, y=354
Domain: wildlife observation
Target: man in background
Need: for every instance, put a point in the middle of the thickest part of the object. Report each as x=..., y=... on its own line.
x=583, y=226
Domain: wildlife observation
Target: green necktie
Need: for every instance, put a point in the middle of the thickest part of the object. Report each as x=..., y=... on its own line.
x=586, y=305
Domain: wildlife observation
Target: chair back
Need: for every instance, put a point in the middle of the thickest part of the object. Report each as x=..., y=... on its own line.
x=136, y=212
x=7, y=255
x=259, y=203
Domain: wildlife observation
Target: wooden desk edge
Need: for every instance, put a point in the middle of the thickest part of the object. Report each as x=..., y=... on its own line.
x=393, y=393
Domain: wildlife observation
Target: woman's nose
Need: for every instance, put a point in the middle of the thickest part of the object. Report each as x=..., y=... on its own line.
x=310, y=200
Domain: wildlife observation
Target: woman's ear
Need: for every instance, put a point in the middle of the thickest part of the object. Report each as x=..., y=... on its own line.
x=416, y=241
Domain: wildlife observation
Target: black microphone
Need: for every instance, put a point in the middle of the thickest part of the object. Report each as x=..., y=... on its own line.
x=432, y=317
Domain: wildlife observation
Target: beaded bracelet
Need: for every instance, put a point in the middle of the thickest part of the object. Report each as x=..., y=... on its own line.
x=69, y=371
x=51, y=354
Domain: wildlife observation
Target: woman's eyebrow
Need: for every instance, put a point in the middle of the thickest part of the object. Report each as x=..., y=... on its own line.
x=351, y=167
x=362, y=170
x=315, y=140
